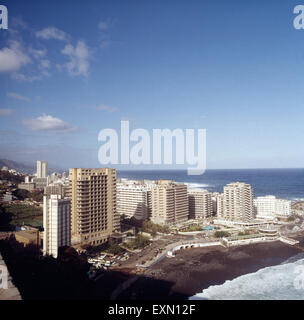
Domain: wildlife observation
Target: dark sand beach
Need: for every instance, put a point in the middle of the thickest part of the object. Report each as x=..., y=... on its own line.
x=193, y=270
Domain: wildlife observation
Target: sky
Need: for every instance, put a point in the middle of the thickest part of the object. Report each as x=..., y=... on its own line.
x=71, y=68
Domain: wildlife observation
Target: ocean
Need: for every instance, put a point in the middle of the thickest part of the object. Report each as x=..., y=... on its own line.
x=282, y=183
x=284, y=281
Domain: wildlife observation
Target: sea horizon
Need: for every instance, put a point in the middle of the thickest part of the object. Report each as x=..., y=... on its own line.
x=282, y=183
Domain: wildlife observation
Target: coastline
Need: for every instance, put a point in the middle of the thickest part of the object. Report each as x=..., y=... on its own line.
x=193, y=270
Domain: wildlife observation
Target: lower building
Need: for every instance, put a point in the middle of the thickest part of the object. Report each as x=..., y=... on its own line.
x=268, y=207
x=30, y=186
x=133, y=199
x=40, y=182
x=28, y=237
x=170, y=203
x=56, y=189
x=56, y=224
x=200, y=204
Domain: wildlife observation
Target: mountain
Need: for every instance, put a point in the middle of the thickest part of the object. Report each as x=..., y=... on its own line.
x=20, y=167
x=26, y=168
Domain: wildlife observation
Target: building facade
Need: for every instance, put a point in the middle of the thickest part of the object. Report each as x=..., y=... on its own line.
x=93, y=205
x=237, y=202
x=42, y=169
x=268, y=207
x=27, y=186
x=200, y=204
x=56, y=224
x=169, y=203
x=56, y=189
x=133, y=199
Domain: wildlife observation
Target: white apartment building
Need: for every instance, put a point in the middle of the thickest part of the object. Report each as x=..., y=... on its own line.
x=237, y=202
x=56, y=224
x=170, y=203
x=200, y=204
x=268, y=207
x=42, y=169
x=133, y=199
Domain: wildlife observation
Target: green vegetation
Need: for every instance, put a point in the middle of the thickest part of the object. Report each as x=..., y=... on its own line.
x=24, y=214
x=221, y=234
x=153, y=228
x=37, y=196
x=291, y=218
x=5, y=175
x=112, y=248
x=137, y=243
x=246, y=233
x=194, y=227
x=5, y=219
x=144, y=226
x=21, y=194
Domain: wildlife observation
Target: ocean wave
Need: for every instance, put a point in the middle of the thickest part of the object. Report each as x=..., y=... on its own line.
x=281, y=282
x=192, y=185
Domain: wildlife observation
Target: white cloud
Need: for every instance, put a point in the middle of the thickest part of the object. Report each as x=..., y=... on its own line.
x=102, y=107
x=6, y=112
x=36, y=53
x=27, y=78
x=48, y=123
x=103, y=25
x=17, y=96
x=12, y=58
x=52, y=33
x=45, y=64
x=79, y=59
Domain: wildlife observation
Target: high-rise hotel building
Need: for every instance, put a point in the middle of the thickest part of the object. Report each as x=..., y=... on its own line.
x=93, y=205
x=133, y=199
x=236, y=203
x=200, y=204
x=42, y=169
x=56, y=224
x=169, y=202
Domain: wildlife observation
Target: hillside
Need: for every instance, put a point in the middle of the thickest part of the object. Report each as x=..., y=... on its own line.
x=24, y=168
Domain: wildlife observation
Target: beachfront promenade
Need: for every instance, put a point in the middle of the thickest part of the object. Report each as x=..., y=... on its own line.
x=225, y=242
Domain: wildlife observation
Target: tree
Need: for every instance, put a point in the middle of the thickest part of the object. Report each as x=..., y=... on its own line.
x=21, y=194
x=37, y=196
x=221, y=234
x=5, y=219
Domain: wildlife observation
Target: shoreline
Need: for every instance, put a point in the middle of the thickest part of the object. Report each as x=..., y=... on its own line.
x=193, y=270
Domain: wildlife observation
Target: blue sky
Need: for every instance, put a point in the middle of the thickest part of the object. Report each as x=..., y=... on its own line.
x=71, y=68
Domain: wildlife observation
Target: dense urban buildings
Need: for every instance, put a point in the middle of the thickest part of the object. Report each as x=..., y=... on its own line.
x=236, y=203
x=200, y=204
x=269, y=207
x=56, y=189
x=56, y=224
x=93, y=205
x=133, y=199
x=169, y=202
